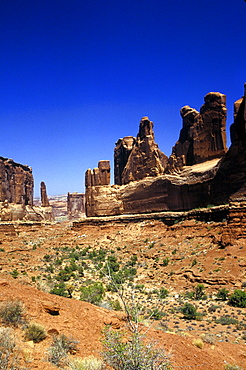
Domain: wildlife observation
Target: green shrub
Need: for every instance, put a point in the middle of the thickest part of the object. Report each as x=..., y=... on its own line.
x=165, y=261
x=189, y=311
x=237, y=299
x=35, y=332
x=132, y=354
x=93, y=293
x=226, y=320
x=163, y=293
x=11, y=312
x=156, y=314
x=199, y=292
x=14, y=273
x=59, y=289
x=222, y=294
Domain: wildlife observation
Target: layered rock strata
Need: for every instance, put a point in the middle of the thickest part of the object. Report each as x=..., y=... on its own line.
x=75, y=205
x=199, y=173
x=16, y=182
x=138, y=158
x=203, y=135
x=16, y=194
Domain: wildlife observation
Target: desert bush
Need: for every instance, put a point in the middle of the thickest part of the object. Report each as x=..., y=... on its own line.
x=11, y=313
x=189, y=311
x=59, y=289
x=208, y=338
x=232, y=367
x=222, y=294
x=198, y=343
x=60, y=348
x=87, y=363
x=8, y=356
x=163, y=293
x=35, y=332
x=226, y=320
x=93, y=293
x=199, y=292
x=131, y=353
x=237, y=299
x=165, y=261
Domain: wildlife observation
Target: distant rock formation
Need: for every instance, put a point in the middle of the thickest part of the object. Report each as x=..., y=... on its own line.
x=138, y=158
x=44, y=198
x=203, y=135
x=16, y=194
x=99, y=175
x=16, y=182
x=75, y=205
x=200, y=171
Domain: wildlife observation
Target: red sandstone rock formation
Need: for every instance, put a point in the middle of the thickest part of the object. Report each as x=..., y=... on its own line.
x=122, y=150
x=16, y=182
x=99, y=175
x=145, y=158
x=203, y=135
x=44, y=198
x=75, y=205
x=213, y=176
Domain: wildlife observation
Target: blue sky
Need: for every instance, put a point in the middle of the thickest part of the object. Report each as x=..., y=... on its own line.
x=77, y=75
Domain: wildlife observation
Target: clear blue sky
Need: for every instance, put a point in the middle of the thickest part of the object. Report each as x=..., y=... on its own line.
x=77, y=75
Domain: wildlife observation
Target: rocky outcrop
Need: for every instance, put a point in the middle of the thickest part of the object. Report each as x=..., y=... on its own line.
x=99, y=175
x=203, y=135
x=16, y=182
x=16, y=194
x=200, y=172
x=122, y=150
x=140, y=158
x=75, y=205
x=44, y=198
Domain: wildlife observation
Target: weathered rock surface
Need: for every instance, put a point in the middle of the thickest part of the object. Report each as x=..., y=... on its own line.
x=199, y=173
x=75, y=205
x=145, y=158
x=122, y=150
x=44, y=198
x=16, y=194
x=203, y=135
x=16, y=182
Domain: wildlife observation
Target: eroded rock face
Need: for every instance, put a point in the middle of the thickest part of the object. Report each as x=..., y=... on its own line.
x=99, y=175
x=145, y=158
x=212, y=177
x=122, y=150
x=75, y=205
x=44, y=198
x=16, y=182
x=203, y=135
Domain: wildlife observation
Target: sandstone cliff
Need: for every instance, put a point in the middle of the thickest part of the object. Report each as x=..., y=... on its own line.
x=200, y=171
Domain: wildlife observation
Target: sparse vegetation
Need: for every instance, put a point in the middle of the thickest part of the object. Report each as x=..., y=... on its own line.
x=237, y=299
x=189, y=311
x=11, y=313
x=35, y=332
x=8, y=357
x=122, y=352
x=222, y=294
x=60, y=348
x=87, y=363
x=93, y=293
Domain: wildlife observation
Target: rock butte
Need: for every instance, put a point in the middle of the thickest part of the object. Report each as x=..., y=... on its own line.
x=16, y=194
x=201, y=171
